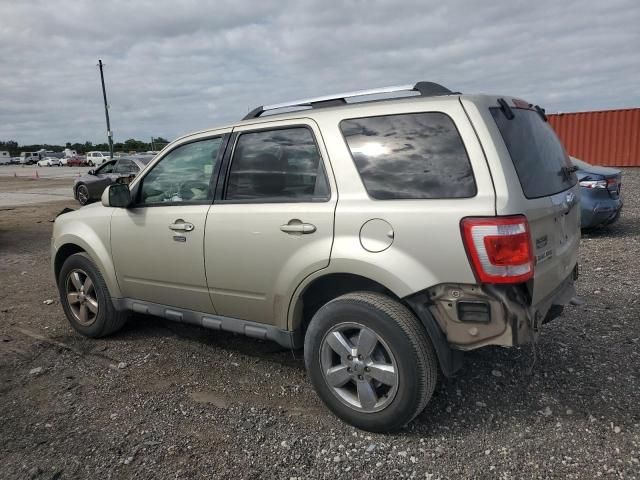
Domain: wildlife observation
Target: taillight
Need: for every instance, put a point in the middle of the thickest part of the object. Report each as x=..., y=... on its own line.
x=499, y=248
x=593, y=184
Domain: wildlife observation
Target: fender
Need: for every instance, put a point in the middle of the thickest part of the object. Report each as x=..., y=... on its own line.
x=91, y=243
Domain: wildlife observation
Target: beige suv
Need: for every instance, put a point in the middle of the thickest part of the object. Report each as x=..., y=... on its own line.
x=384, y=231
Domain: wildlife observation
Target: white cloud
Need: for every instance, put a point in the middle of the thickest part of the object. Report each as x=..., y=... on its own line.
x=173, y=67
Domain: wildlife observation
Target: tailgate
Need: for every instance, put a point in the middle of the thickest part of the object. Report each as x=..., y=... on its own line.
x=555, y=233
x=548, y=193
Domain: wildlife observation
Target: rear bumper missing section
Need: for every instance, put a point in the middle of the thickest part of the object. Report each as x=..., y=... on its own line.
x=474, y=316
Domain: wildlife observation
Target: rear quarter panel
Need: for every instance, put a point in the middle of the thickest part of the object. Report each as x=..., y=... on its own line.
x=427, y=247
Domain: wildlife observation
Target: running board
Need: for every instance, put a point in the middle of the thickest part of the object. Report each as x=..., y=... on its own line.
x=286, y=338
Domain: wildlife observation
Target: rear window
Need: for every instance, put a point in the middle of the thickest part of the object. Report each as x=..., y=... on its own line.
x=410, y=156
x=536, y=152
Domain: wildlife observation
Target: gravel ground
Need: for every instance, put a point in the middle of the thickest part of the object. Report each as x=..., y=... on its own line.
x=162, y=400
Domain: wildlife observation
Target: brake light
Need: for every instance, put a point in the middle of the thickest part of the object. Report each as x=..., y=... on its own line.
x=499, y=248
x=593, y=183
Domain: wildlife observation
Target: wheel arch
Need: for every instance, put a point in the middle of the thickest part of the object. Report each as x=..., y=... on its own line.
x=98, y=254
x=324, y=288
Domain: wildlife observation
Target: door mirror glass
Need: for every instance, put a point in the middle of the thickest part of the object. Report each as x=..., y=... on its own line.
x=116, y=195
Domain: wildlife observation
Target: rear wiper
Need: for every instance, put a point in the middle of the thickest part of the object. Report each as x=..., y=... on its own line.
x=506, y=109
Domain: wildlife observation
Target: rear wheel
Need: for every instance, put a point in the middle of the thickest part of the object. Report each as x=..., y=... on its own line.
x=370, y=361
x=85, y=298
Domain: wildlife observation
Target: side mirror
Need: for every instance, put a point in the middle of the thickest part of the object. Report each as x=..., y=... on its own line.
x=91, y=172
x=116, y=195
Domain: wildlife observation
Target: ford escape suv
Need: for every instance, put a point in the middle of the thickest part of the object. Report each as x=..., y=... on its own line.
x=384, y=231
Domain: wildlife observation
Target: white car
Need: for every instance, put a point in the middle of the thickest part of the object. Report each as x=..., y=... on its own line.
x=49, y=162
x=97, y=158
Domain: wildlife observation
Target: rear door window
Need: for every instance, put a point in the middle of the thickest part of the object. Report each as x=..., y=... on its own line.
x=125, y=166
x=410, y=156
x=542, y=165
x=282, y=165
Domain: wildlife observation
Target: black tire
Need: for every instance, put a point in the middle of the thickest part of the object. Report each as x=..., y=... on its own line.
x=107, y=319
x=404, y=336
x=82, y=194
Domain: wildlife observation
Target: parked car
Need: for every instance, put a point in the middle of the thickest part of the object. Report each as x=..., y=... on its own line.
x=76, y=161
x=95, y=159
x=384, y=237
x=89, y=187
x=600, y=196
x=29, y=158
x=49, y=162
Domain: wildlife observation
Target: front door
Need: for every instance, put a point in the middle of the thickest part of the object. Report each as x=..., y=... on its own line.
x=271, y=224
x=157, y=244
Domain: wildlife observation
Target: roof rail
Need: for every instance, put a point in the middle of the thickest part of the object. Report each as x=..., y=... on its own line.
x=425, y=89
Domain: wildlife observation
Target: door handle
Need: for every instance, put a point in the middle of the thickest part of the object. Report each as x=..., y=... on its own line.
x=181, y=226
x=298, y=227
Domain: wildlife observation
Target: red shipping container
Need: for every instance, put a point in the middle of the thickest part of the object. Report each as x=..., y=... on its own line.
x=607, y=137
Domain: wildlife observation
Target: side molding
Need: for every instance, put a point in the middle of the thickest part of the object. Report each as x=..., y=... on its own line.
x=210, y=321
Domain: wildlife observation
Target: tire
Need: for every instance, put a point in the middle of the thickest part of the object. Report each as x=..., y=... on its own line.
x=90, y=163
x=106, y=319
x=82, y=194
x=400, y=342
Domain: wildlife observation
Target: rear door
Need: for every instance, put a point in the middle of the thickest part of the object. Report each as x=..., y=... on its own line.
x=548, y=193
x=271, y=224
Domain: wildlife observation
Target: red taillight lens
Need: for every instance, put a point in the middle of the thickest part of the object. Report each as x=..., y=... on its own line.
x=499, y=248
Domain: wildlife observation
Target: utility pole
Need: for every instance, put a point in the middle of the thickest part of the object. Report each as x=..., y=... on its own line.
x=106, y=111
x=152, y=147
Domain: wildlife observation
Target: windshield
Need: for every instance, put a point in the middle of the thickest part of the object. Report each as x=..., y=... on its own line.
x=542, y=165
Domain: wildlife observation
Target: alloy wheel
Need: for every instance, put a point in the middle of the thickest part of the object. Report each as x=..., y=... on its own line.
x=82, y=297
x=83, y=194
x=359, y=367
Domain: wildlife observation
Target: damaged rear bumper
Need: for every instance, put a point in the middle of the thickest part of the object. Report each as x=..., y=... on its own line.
x=473, y=316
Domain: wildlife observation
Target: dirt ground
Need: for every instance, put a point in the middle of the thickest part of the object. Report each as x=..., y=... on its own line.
x=29, y=190
x=163, y=400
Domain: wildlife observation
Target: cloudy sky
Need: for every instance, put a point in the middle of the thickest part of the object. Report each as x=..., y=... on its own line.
x=181, y=65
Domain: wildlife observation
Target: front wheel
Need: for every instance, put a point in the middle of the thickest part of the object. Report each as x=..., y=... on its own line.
x=370, y=361
x=85, y=298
